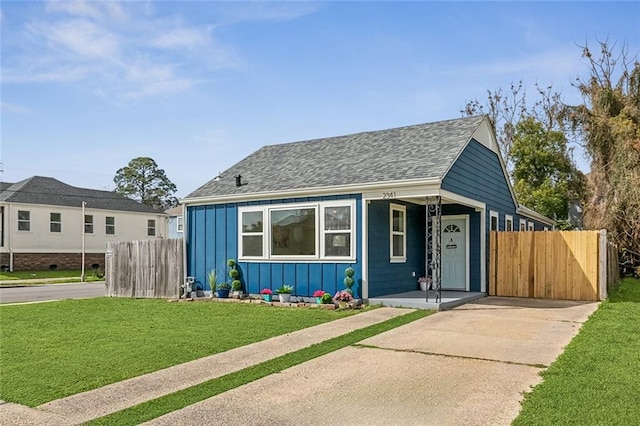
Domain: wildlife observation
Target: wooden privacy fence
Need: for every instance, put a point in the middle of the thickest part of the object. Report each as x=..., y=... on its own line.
x=145, y=268
x=573, y=265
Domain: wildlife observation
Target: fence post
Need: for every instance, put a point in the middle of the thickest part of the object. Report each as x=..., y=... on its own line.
x=602, y=264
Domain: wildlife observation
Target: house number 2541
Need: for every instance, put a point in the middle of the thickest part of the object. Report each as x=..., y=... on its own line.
x=388, y=195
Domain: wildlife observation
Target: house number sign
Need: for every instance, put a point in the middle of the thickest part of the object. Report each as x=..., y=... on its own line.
x=389, y=195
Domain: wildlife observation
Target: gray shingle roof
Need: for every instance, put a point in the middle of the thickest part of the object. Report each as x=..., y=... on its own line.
x=49, y=191
x=423, y=151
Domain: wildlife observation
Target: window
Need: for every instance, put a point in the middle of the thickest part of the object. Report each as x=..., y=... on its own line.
x=337, y=230
x=398, y=226
x=493, y=223
x=252, y=234
x=55, y=222
x=546, y=228
x=323, y=230
x=110, y=225
x=24, y=220
x=88, y=224
x=180, y=224
x=523, y=225
x=531, y=228
x=508, y=222
x=151, y=227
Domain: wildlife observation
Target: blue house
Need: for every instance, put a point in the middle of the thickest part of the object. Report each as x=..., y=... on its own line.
x=394, y=204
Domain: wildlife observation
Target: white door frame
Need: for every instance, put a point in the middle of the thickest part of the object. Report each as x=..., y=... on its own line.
x=467, y=258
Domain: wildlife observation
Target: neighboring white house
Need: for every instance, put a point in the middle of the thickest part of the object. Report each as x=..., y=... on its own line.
x=42, y=224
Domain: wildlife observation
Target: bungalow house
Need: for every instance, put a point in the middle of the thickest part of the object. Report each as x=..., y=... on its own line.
x=43, y=224
x=394, y=204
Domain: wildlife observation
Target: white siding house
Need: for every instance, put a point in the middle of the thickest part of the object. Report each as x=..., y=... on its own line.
x=42, y=224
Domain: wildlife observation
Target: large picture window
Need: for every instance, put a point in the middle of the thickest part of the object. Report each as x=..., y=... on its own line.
x=398, y=226
x=323, y=230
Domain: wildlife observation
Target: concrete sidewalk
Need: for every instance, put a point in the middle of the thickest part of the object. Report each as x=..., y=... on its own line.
x=470, y=366
x=89, y=405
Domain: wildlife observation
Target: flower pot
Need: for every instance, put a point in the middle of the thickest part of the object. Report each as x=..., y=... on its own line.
x=423, y=286
x=268, y=297
x=223, y=294
x=319, y=300
x=284, y=298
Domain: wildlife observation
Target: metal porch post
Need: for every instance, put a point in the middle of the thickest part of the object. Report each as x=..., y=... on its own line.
x=433, y=260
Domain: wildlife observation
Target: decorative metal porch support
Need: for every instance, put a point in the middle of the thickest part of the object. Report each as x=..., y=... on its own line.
x=433, y=258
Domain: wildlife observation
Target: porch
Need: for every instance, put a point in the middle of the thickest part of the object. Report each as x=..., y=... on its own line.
x=416, y=299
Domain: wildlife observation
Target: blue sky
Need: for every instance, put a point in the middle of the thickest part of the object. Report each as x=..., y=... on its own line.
x=197, y=86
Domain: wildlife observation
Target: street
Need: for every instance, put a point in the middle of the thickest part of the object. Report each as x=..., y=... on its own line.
x=40, y=293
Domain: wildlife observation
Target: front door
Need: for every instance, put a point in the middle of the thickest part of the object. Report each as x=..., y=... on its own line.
x=454, y=254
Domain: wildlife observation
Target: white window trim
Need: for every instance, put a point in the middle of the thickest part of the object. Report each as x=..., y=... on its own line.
x=531, y=226
x=319, y=235
x=493, y=214
x=403, y=209
x=546, y=228
x=179, y=224
x=51, y=222
x=28, y=222
x=92, y=223
x=107, y=225
x=508, y=218
x=523, y=223
x=154, y=227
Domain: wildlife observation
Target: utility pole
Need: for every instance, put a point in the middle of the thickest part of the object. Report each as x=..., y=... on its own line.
x=84, y=203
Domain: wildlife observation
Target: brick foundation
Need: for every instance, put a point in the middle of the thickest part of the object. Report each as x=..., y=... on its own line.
x=43, y=261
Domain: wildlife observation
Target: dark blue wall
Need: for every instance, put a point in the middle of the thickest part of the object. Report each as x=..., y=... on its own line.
x=386, y=277
x=212, y=238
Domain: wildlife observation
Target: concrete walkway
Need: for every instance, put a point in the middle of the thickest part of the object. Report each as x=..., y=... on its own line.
x=470, y=365
x=86, y=406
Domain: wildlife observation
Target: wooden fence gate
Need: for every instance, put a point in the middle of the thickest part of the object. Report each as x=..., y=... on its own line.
x=573, y=265
x=145, y=268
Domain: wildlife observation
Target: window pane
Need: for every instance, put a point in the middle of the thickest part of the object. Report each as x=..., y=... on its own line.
x=109, y=220
x=398, y=221
x=338, y=244
x=252, y=222
x=398, y=245
x=151, y=227
x=23, y=215
x=23, y=226
x=494, y=223
x=55, y=217
x=337, y=218
x=293, y=232
x=252, y=245
x=56, y=227
x=180, y=222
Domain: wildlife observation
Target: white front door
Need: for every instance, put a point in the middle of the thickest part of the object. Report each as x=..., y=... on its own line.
x=454, y=254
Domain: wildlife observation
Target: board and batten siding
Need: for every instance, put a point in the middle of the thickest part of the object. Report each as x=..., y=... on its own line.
x=212, y=239
x=386, y=277
x=477, y=174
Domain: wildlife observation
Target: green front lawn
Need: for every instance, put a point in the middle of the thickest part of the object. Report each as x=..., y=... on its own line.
x=52, y=350
x=597, y=378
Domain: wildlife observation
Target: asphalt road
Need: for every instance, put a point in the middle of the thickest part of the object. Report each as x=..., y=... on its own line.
x=41, y=293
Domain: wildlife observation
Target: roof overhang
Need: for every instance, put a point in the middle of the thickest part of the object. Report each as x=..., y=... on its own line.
x=374, y=190
x=525, y=211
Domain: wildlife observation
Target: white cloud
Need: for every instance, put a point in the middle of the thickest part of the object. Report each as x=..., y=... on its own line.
x=182, y=38
x=78, y=36
x=9, y=107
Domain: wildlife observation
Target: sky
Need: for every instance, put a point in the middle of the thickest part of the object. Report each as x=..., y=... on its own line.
x=197, y=86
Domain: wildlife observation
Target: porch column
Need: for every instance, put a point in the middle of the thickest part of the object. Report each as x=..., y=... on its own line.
x=433, y=260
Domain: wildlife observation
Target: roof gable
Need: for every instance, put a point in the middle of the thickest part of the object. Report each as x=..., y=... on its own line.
x=50, y=191
x=420, y=152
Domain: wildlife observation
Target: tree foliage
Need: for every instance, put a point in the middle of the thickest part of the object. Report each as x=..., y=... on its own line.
x=545, y=178
x=143, y=181
x=609, y=123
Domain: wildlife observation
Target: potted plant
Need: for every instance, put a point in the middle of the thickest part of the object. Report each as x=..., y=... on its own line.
x=267, y=294
x=236, y=286
x=326, y=299
x=318, y=295
x=284, y=293
x=425, y=283
x=223, y=290
x=343, y=297
x=348, y=279
x=212, y=277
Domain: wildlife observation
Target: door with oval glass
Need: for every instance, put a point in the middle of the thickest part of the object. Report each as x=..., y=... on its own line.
x=454, y=253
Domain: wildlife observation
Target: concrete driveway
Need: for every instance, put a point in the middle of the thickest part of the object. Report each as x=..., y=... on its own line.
x=469, y=366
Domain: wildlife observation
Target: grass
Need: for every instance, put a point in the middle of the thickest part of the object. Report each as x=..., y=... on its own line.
x=175, y=401
x=40, y=277
x=597, y=378
x=53, y=350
